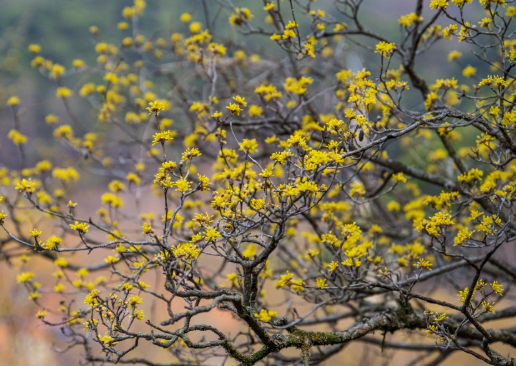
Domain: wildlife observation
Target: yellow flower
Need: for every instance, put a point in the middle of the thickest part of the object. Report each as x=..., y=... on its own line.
x=434, y=226
x=250, y=251
x=92, y=298
x=357, y=189
x=332, y=266
x=400, y=177
x=147, y=229
x=393, y=206
x=34, y=48
x=52, y=242
x=185, y=17
x=24, y=277
x=240, y=16
x=385, y=49
x=56, y=71
x=161, y=137
x=265, y=315
x=182, y=185
x=473, y=174
x=133, y=178
x=255, y=110
x=439, y=4
x=187, y=251
x=240, y=100
x=133, y=301
x=497, y=289
x=190, y=153
x=111, y=78
x=128, y=12
x=423, y=264
x=211, y=234
x=204, y=182
x=82, y=272
x=156, y=107
x=454, y=55
x=143, y=285
x=16, y=137
x=35, y=233
x=59, y=287
x=195, y=27
x=403, y=262
x=266, y=173
x=51, y=119
x=288, y=33
x=256, y=204
x=80, y=227
x=233, y=278
x=296, y=86
x=61, y=262
x=285, y=279
x=469, y=71
x=291, y=25
x=111, y=259
x=234, y=108
x=321, y=283
x=63, y=92
x=485, y=22
x=462, y=236
x=408, y=19
x=269, y=6
x=138, y=314
x=249, y=146
x=217, y=48
x=440, y=318
x=66, y=174
x=13, y=100
x=26, y=186
x=297, y=285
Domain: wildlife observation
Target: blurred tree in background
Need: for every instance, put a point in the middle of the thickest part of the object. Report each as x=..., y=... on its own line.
x=258, y=183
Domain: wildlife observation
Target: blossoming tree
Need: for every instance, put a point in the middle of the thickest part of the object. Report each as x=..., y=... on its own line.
x=311, y=204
